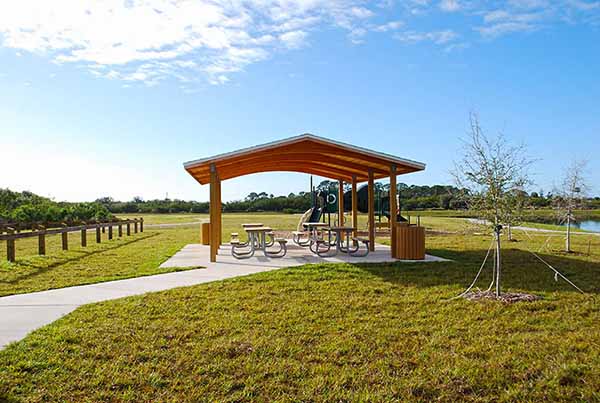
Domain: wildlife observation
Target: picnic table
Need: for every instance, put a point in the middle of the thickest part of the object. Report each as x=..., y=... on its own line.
x=315, y=238
x=339, y=238
x=257, y=240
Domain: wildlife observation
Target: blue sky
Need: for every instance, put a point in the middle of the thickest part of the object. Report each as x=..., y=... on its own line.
x=110, y=98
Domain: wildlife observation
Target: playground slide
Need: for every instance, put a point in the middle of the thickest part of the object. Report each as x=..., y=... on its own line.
x=311, y=215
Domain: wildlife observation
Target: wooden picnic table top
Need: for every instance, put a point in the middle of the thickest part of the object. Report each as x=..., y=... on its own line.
x=315, y=224
x=253, y=224
x=258, y=229
x=342, y=228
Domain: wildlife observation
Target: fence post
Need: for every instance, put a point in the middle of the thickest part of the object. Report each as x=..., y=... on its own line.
x=41, y=240
x=135, y=226
x=98, y=235
x=84, y=235
x=110, y=230
x=120, y=227
x=128, y=228
x=103, y=229
x=64, y=237
x=141, y=225
x=65, y=240
x=10, y=247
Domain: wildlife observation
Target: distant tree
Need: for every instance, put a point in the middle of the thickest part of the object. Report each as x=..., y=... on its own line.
x=445, y=201
x=105, y=200
x=492, y=172
x=571, y=195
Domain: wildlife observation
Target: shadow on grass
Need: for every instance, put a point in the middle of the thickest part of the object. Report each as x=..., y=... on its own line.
x=82, y=254
x=520, y=271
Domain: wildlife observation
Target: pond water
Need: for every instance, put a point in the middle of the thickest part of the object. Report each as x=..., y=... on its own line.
x=589, y=225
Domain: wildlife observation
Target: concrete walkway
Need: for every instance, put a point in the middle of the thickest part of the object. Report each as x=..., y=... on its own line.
x=23, y=313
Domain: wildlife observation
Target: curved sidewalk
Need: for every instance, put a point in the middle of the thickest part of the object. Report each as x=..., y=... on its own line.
x=23, y=313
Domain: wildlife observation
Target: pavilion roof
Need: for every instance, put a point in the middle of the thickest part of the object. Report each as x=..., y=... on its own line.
x=305, y=153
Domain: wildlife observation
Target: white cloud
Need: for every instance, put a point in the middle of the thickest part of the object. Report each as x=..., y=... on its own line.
x=449, y=5
x=389, y=26
x=149, y=41
x=503, y=28
x=293, y=39
x=437, y=37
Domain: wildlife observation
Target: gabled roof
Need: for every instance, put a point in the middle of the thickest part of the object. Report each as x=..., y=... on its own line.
x=304, y=153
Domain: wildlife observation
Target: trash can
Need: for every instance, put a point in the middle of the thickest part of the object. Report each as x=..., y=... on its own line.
x=410, y=242
x=205, y=238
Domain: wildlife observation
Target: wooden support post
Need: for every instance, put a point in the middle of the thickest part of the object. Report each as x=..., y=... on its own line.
x=110, y=231
x=128, y=228
x=219, y=212
x=84, y=236
x=393, y=208
x=135, y=227
x=42, y=242
x=371, y=202
x=341, y=203
x=98, y=235
x=354, y=205
x=141, y=225
x=213, y=205
x=120, y=230
x=65, y=240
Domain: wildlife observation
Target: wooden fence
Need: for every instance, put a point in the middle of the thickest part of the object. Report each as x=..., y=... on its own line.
x=10, y=233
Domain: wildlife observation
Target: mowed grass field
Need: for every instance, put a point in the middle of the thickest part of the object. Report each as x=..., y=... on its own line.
x=141, y=254
x=333, y=333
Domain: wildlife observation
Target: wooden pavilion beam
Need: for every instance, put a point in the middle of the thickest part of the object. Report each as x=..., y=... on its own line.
x=309, y=169
x=341, y=203
x=354, y=206
x=335, y=161
x=371, y=203
x=393, y=208
x=213, y=211
x=299, y=163
x=219, y=214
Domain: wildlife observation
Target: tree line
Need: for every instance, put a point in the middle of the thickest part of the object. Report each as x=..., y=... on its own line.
x=29, y=207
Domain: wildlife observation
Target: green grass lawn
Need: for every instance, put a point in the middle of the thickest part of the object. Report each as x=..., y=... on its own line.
x=333, y=333
x=177, y=218
x=141, y=254
x=131, y=256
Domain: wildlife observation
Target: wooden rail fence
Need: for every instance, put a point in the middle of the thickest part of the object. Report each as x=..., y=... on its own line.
x=10, y=233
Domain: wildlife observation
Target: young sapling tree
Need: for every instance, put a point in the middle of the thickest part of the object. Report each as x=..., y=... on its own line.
x=493, y=174
x=571, y=196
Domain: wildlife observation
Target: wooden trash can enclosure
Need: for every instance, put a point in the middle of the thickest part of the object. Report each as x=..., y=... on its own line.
x=205, y=238
x=410, y=242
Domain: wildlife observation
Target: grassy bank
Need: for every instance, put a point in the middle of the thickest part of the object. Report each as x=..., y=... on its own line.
x=131, y=256
x=332, y=333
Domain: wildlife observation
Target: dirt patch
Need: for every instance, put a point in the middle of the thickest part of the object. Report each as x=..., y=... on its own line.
x=506, y=297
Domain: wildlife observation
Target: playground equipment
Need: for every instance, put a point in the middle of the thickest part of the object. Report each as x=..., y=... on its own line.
x=382, y=203
x=325, y=203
